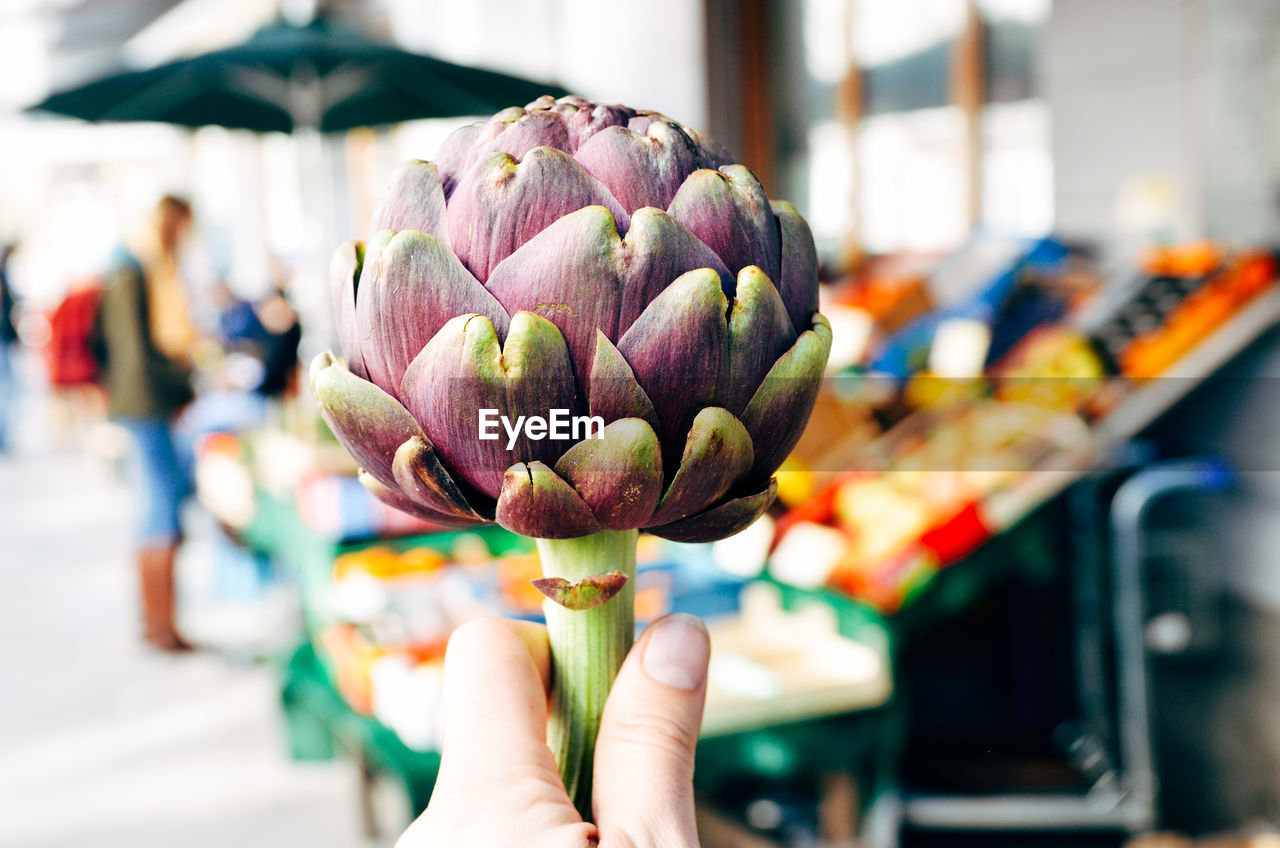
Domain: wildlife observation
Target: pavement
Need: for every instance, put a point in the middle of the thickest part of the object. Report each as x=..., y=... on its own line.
x=102, y=741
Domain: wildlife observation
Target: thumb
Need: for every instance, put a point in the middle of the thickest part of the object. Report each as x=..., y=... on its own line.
x=643, y=792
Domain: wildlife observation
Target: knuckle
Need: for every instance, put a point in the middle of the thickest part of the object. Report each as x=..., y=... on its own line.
x=652, y=731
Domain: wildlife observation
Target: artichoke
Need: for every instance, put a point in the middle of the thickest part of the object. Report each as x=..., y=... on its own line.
x=584, y=263
x=600, y=260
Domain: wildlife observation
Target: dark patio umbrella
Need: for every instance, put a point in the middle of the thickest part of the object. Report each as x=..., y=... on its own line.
x=288, y=77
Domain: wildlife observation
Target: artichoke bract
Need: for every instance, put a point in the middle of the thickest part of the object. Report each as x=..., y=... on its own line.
x=580, y=260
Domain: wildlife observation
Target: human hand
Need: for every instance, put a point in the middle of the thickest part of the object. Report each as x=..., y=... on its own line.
x=498, y=786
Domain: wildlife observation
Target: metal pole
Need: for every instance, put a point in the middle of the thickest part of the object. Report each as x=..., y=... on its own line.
x=1129, y=509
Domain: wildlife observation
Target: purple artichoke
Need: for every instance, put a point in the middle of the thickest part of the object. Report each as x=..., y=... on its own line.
x=594, y=260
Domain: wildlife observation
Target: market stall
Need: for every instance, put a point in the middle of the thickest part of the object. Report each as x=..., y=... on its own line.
x=979, y=434
x=997, y=462
x=944, y=428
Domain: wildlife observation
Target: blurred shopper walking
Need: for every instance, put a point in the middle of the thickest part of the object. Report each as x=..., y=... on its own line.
x=147, y=337
x=8, y=349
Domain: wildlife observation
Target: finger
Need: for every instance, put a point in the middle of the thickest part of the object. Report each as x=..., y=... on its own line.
x=495, y=703
x=644, y=754
x=498, y=783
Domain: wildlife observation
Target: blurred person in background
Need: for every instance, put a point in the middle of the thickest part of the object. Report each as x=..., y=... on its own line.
x=248, y=362
x=236, y=322
x=147, y=337
x=8, y=348
x=278, y=341
x=268, y=330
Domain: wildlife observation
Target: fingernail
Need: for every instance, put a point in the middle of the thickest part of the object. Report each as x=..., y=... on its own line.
x=676, y=652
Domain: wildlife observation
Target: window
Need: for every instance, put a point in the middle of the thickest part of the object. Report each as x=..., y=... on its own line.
x=932, y=128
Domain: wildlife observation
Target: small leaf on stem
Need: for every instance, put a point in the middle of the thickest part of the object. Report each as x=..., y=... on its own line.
x=588, y=593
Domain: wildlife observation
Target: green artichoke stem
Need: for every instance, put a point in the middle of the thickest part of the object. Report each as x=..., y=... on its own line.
x=587, y=649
